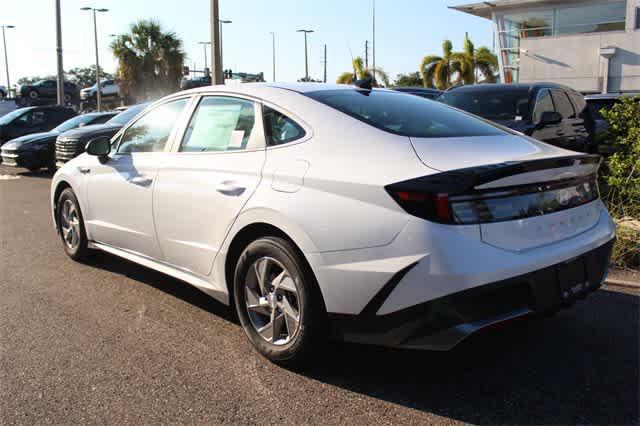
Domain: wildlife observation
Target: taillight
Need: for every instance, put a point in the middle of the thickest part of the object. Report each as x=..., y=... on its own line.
x=494, y=205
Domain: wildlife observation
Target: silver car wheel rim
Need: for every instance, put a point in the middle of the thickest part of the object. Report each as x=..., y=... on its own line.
x=271, y=297
x=70, y=224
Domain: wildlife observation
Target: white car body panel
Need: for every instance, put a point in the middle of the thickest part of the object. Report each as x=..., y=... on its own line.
x=326, y=192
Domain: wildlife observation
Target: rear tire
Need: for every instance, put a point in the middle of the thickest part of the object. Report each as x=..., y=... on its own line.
x=71, y=226
x=279, y=303
x=33, y=94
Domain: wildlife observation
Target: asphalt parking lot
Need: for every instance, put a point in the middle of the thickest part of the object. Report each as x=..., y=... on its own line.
x=113, y=342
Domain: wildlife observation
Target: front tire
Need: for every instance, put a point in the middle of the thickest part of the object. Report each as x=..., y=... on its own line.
x=33, y=94
x=71, y=225
x=279, y=303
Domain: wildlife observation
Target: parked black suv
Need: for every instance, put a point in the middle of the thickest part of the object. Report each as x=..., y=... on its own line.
x=549, y=112
x=70, y=144
x=24, y=121
x=37, y=149
x=46, y=90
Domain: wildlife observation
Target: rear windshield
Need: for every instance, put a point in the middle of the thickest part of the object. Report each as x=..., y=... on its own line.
x=498, y=104
x=405, y=114
x=597, y=105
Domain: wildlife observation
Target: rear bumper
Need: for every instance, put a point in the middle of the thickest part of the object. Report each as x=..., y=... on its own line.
x=442, y=323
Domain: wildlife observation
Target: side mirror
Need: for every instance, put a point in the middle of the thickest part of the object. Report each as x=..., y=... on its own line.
x=99, y=147
x=550, y=117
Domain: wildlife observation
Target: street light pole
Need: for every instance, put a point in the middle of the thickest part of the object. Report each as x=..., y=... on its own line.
x=216, y=58
x=306, y=59
x=60, y=79
x=95, y=35
x=6, y=56
x=204, y=45
x=374, y=41
x=273, y=50
x=221, y=45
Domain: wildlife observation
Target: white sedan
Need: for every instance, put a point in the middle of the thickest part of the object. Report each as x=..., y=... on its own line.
x=324, y=211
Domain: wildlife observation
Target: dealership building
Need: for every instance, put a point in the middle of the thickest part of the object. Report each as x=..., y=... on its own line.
x=590, y=45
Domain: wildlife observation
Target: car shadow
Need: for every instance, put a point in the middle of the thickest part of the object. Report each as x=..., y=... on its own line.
x=580, y=366
x=172, y=286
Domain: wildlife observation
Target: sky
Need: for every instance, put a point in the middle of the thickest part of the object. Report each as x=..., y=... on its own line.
x=406, y=31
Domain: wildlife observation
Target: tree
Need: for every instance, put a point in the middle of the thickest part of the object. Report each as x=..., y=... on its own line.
x=86, y=76
x=438, y=70
x=149, y=61
x=474, y=62
x=360, y=72
x=413, y=79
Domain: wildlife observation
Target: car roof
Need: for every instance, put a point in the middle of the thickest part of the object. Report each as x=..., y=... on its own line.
x=508, y=86
x=416, y=89
x=606, y=96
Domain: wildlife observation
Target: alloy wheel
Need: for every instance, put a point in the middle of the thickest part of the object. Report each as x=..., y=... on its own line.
x=70, y=224
x=272, y=301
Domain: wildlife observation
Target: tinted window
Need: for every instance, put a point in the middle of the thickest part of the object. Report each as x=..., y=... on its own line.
x=404, y=114
x=563, y=104
x=151, y=132
x=81, y=120
x=579, y=104
x=597, y=105
x=39, y=117
x=220, y=124
x=8, y=118
x=543, y=103
x=125, y=116
x=279, y=128
x=492, y=104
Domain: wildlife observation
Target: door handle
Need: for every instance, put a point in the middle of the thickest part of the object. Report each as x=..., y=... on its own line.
x=229, y=187
x=141, y=180
x=84, y=170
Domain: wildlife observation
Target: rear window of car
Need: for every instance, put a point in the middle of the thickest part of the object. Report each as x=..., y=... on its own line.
x=597, y=105
x=492, y=104
x=405, y=114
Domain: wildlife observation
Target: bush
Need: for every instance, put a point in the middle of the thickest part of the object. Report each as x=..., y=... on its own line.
x=620, y=179
x=620, y=174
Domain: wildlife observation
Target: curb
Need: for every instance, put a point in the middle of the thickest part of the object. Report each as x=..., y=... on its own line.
x=623, y=283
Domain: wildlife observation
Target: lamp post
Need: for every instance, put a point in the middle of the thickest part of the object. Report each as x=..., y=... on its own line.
x=216, y=65
x=205, y=45
x=273, y=50
x=6, y=60
x=95, y=34
x=306, y=60
x=222, y=21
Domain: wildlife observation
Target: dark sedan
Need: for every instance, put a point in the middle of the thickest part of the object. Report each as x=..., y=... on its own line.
x=37, y=150
x=72, y=143
x=46, y=90
x=24, y=121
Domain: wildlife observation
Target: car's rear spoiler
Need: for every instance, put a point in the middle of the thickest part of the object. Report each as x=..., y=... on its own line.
x=464, y=181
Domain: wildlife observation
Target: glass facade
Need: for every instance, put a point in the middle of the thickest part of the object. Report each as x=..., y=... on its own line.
x=591, y=18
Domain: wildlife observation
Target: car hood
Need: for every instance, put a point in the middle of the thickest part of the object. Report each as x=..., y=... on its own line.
x=445, y=154
x=91, y=131
x=28, y=139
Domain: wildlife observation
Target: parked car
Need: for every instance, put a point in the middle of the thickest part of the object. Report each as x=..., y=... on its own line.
x=599, y=102
x=24, y=121
x=37, y=150
x=44, y=90
x=549, y=112
x=425, y=92
x=192, y=83
x=383, y=217
x=3, y=92
x=108, y=88
x=71, y=143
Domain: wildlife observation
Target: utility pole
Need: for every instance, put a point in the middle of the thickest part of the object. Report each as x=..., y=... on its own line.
x=366, y=54
x=95, y=37
x=306, y=56
x=6, y=57
x=204, y=45
x=273, y=50
x=374, y=41
x=221, y=44
x=60, y=79
x=216, y=57
x=325, y=63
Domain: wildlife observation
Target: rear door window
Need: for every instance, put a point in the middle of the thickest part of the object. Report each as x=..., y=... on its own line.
x=279, y=128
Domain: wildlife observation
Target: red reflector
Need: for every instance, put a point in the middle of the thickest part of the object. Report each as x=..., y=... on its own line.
x=411, y=196
x=442, y=207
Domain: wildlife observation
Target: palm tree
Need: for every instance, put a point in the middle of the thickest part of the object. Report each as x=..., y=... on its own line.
x=474, y=61
x=360, y=72
x=149, y=61
x=437, y=71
